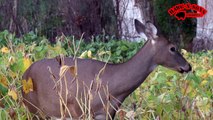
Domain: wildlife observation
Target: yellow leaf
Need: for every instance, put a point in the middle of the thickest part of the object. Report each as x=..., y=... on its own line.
x=210, y=72
x=204, y=82
x=183, y=51
x=89, y=54
x=83, y=55
x=4, y=82
x=27, y=62
x=204, y=76
x=27, y=85
x=13, y=94
x=5, y=50
x=73, y=71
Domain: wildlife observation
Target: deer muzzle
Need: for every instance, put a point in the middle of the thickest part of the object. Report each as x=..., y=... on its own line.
x=187, y=68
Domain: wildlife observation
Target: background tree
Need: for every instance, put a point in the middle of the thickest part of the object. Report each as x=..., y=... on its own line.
x=128, y=10
x=203, y=39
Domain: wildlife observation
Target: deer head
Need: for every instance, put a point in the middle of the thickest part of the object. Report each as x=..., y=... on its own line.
x=165, y=53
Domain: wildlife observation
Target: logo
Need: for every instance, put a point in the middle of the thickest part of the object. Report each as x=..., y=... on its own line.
x=188, y=10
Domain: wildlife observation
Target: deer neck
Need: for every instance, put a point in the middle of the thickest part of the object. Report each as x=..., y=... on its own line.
x=135, y=71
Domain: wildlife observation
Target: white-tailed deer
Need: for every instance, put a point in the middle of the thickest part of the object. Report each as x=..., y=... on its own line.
x=109, y=87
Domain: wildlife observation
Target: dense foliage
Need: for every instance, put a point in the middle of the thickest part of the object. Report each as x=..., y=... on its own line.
x=165, y=94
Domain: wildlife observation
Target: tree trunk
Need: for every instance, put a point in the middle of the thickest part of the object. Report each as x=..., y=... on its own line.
x=204, y=35
x=127, y=11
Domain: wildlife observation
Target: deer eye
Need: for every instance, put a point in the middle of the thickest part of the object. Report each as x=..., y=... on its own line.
x=173, y=49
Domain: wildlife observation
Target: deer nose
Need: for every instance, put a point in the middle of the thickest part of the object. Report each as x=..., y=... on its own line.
x=185, y=68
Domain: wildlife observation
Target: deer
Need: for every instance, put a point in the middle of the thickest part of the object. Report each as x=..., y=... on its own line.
x=119, y=80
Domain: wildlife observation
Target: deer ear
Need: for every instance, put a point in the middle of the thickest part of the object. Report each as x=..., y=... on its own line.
x=148, y=29
x=151, y=30
x=140, y=28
